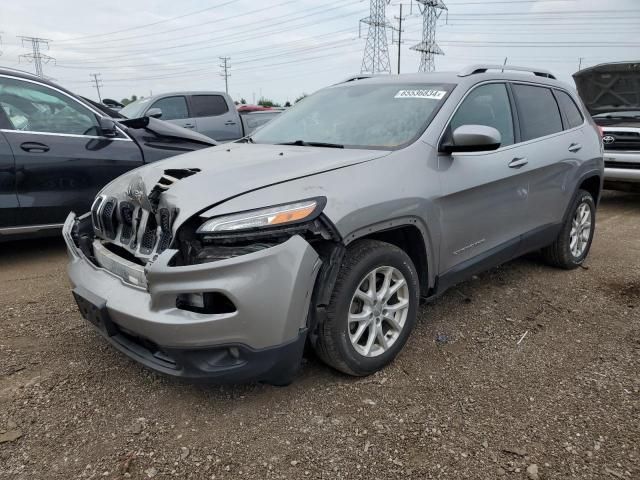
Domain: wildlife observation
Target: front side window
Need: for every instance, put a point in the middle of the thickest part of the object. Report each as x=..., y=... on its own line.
x=537, y=111
x=173, y=108
x=208, y=105
x=36, y=108
x=487, y=105
x=570, y=109
x=361, y=114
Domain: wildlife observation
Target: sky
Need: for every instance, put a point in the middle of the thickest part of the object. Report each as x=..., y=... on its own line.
x=281, y=49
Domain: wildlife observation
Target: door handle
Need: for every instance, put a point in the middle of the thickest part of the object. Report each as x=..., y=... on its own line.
x=189, y=125
x=34, y=147
x=230, y=122
x=518, y=162
x=574, y=147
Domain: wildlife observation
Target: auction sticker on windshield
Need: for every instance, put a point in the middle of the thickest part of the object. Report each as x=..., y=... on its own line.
x=421, y=93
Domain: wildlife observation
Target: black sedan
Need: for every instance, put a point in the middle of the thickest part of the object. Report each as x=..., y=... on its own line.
x=57, y=150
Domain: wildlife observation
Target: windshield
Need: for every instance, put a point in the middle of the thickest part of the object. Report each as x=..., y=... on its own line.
x=135, y=109
x=358, y=115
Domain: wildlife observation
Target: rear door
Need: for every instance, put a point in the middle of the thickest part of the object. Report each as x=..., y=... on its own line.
x=61, y=158
x=552, y=153
x=215, y=117
x=484, y=198
x=175, y=109
x=8, y=196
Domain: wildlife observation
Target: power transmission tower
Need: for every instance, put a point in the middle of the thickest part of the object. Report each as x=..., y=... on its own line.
x=376, y=51
x=36, y=57
x=431, y=11
x=225, y=73
x=97, y=81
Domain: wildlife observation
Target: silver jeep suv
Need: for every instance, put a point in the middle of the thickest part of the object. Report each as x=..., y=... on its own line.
x=330, y=224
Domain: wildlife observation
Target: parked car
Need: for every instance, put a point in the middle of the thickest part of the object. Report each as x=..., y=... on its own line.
x=211, y=113
x=113, y=104
x=253, y=120
x=330, y=223
x=611, y=92
x=57, y=150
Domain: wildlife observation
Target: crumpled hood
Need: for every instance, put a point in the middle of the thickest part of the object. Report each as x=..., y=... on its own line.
x=227, y=171
x=610, y=87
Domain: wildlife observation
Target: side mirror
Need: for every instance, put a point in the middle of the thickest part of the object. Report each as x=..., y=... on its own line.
x=473, y=138
x=107, y=127
x=154, y=112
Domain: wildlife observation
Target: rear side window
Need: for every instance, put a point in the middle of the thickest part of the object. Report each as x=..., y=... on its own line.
x=208, y=105
x=537, y=111
x=570, y=109
x=173, y=108
x=487, y=105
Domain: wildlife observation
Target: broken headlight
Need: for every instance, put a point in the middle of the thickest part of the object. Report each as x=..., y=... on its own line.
x=278, y=216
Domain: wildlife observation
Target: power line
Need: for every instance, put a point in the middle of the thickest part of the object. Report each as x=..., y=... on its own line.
x=36, y=56
x=225, y=66
x=431, y=11
x=98, y=83
x=376, y=51
x=237, y=37
x=147, y=24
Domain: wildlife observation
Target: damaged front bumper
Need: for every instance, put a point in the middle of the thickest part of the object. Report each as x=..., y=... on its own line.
x=259, y=335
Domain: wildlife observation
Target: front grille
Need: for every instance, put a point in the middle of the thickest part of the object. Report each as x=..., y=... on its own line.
x=126, y=218
x=626, y=165
x=131, y=227
x=622, y=140
x=139, y=231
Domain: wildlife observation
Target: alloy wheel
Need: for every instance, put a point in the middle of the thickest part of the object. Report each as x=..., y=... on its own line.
x=378, y=311
x=580, y=230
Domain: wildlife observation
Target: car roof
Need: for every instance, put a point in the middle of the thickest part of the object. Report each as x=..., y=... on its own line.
x=186, y=92
x=466, y=78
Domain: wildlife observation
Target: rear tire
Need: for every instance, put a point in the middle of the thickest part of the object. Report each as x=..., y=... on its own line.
x=372, y=310
x=572, y=246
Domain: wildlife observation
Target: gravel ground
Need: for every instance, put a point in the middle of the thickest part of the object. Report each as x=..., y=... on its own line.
x=464, y=400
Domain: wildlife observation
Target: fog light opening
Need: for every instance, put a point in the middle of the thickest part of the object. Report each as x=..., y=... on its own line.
x=205, y=302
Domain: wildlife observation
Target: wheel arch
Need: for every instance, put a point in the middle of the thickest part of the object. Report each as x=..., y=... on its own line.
x=592, y=183
x=408, y=234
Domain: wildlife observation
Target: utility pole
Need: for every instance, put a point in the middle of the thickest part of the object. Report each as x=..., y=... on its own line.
x=399, y=38
x=580, y=63
x=376, y=51
x=36, y=57
x=1, y=42
x=97, y=81
x=431, y=11
x=225, y=66
x=400, y=30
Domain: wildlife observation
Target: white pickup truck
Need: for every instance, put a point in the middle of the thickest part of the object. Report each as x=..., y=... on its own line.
x=611, y=92
x=211, y=113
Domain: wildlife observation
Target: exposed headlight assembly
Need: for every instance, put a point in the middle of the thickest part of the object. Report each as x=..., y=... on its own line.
x=270, y=217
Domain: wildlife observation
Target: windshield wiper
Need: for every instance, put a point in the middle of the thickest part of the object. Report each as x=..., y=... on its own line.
x=302, y=143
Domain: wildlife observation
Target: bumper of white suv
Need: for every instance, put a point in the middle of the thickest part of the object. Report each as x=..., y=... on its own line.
x=260, y=339
x=621, y=168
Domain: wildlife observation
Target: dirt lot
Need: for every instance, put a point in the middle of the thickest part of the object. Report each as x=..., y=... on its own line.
x=463, y=401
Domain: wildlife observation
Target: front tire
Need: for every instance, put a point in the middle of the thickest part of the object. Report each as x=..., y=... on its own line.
x=372, y=311
x=572, y=246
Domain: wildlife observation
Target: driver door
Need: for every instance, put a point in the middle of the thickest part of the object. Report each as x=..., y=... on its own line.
x=484, y=194
x=61, y=158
